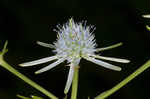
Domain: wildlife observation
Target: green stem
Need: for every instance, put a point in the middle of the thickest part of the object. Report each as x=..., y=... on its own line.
x=148, y=28
x=32, y=97
x=109, y=47
x=124, y=82
x=23, y=97
x=24, y=78
x=75, y=84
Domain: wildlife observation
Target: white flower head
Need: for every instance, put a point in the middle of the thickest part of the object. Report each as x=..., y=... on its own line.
x=74, y=41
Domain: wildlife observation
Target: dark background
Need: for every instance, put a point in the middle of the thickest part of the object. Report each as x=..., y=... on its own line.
x=23, y=22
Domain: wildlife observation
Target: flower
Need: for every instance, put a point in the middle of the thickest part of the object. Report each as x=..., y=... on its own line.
x=74, y=41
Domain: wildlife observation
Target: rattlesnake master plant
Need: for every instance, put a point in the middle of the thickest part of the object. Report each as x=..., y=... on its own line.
x=74, y=41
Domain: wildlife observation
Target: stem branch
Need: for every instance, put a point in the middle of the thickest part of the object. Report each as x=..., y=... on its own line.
x=124, y=82
x=75, y=84
x=24, y=78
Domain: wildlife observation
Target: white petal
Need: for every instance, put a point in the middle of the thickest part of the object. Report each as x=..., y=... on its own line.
x=146, y=16
x=104, y=64
x=109, y=47
x=50, y=66
x=40, y=61
x=45, y=44
x=112, y=59
x=69, y=79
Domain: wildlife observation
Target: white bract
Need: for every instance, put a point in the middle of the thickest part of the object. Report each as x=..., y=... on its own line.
x=74, y=41
x=146, y=16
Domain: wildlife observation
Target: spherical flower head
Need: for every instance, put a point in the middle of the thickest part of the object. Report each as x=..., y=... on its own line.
x=75, y=41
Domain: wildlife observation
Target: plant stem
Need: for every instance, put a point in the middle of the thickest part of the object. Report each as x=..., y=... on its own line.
x=109, y=47
x=124, y=82
x=75, y=84
x=24, y=78
x=148, y=28
x=23, y=97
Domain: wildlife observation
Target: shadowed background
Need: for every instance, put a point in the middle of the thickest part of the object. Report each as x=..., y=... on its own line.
x=23, y=22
